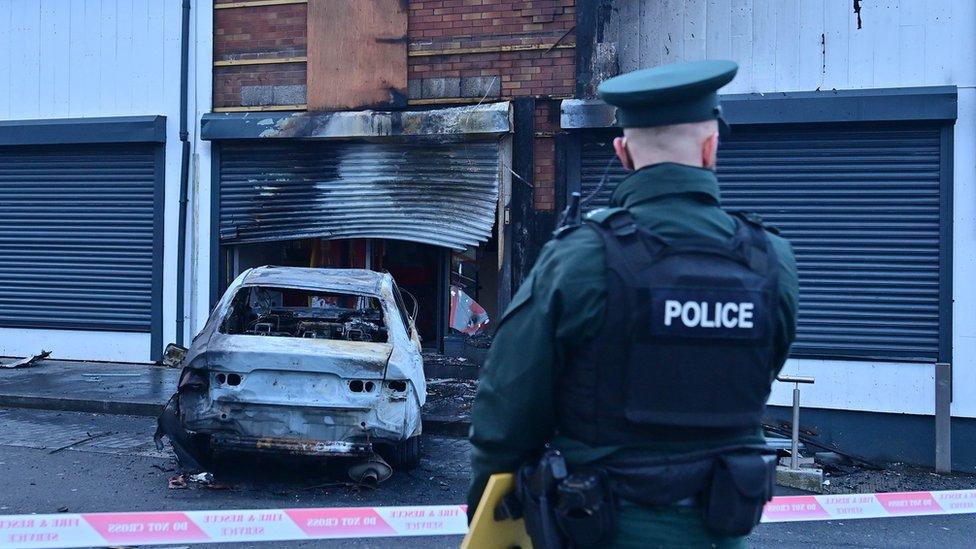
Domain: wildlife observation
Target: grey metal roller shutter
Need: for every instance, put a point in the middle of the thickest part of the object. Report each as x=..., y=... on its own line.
x=600, y=171
x=76, y=236
x=440, y=194
x=861, y=206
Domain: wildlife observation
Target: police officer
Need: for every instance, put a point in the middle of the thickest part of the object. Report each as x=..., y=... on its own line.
x=645, y=340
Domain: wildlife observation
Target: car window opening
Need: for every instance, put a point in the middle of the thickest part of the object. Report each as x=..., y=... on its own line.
x=314, y=314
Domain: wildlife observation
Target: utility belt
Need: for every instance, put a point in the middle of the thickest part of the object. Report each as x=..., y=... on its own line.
x=573, y=509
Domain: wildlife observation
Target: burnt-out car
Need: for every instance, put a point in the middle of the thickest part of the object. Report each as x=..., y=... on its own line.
x=301, y=361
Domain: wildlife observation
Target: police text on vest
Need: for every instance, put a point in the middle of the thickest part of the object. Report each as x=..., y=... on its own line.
x=695, y=314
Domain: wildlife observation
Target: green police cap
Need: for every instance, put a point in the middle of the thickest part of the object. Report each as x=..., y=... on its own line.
x=670, y=94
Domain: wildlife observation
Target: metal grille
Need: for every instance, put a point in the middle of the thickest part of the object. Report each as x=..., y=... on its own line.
x=440, y=194
x=76, y=236
x=860, y=204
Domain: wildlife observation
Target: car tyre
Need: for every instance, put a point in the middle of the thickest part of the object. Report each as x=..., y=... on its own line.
x=406, y=454
x=209, y=456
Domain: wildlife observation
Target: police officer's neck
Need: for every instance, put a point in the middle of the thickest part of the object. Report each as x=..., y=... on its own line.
x=651, y=156
x=681, y=162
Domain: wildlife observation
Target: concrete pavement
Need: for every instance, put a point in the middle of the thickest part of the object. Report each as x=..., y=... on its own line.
x=125, y=389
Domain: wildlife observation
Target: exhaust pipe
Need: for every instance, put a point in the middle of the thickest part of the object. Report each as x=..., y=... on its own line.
x=372, y=471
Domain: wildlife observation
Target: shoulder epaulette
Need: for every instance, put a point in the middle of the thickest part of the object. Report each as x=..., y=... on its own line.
x=618, y=220
x=603, y=215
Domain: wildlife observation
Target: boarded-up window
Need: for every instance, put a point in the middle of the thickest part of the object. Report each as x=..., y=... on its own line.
x=357, y=54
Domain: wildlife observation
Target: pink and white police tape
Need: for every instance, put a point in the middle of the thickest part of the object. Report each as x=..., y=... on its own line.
x=167, y=527
x=111, y=529
x=862, y=506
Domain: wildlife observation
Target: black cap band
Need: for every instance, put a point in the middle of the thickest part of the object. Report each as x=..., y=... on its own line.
x=683, y=111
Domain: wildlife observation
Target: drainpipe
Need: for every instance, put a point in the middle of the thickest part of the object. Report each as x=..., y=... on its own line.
x=184, y=172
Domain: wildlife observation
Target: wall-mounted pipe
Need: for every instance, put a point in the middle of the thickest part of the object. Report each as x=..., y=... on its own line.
x=184, y=173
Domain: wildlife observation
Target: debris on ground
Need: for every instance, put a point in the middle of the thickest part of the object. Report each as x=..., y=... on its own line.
x=349, y=486
x=830, y=459
x=479, y=340
x=27, y=362
x=63, y=509
x=443, y=366
x=96, y=377
x=845, y=472
x=808, y=438
x=450, y=397
x=89, y=438
x=173, y=355
x=847, y=477
x=436, y=359
x=177, y=482
x=201, y=478
x=183, y=481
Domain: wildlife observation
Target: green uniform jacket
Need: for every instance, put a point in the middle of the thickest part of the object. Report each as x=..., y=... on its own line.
x=560, y=305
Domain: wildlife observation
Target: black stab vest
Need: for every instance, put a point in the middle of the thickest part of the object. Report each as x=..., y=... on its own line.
x=686, y=344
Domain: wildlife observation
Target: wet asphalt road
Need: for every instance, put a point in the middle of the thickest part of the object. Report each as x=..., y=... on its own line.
x=120, y=470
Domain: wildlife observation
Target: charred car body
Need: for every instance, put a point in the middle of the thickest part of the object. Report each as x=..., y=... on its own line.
x=316, y=362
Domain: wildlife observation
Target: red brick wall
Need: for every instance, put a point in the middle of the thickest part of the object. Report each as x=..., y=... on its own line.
x=229, y=81
x=547, y=74
x=544, y=154
x=488, y=18
x=256, y=32
x=259, y=30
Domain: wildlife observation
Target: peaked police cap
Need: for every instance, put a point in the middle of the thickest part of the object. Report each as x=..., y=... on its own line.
x=669, y=94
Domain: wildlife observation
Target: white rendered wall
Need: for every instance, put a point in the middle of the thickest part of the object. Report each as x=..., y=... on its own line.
x=777, y=43
x=806, y=45
x=199, y=221
x=964, y=256
x=96, y=58
x=85, y=58
x=75, y=345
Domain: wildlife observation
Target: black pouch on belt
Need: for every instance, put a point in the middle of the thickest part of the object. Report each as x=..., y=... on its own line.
x=741, y=486
x=585, y=508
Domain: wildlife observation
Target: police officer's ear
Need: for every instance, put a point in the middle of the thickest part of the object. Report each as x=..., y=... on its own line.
x=620, y=146
x=709, y=151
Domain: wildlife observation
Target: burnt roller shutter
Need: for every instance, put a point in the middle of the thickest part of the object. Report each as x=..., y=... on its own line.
x=76, y=236
x=440, y=194
x=861, y=206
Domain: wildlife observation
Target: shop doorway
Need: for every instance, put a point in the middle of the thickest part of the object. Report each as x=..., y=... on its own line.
x=420, y=270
